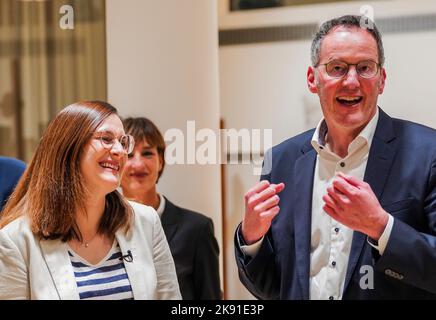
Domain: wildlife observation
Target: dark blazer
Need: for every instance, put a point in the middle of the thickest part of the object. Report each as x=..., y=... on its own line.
x=401, y=171
x=195, y=251
x=10, y=172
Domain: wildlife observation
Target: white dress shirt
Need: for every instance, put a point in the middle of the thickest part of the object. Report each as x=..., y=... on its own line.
x=330, y=240
x=161, y=207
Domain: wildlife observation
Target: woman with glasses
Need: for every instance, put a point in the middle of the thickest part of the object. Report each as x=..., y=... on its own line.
x=67, y=233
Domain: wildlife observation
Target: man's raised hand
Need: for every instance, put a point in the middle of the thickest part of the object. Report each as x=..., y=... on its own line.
x=261, y=206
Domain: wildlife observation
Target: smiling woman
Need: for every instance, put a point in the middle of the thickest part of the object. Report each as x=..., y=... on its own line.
x=76, y=227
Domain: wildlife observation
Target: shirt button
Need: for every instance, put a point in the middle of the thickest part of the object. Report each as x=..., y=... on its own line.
x=342, y=164
x=333, y=263
x=336, y=230
x=331, y=298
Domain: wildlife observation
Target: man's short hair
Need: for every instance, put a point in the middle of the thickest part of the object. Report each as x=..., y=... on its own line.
x=348, y=21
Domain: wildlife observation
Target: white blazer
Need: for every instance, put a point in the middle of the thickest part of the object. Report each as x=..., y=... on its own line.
x=31, y=268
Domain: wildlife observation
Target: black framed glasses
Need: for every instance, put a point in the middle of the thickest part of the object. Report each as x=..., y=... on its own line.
x=108, y=140
x=337, y=69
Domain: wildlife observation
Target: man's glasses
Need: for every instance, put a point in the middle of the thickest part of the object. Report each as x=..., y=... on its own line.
x=108, y=141
x=338, y=69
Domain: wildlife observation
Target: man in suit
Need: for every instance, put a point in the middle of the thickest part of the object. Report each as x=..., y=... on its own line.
x=10, y=172
x=357, y=194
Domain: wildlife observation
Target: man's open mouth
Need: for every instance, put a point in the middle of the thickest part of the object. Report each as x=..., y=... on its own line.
x=349, y=101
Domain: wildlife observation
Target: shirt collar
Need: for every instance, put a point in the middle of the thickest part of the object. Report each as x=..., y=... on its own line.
x=161, y=207
x=367, y=134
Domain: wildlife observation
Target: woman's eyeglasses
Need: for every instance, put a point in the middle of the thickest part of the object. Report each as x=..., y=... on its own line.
x=108, y=141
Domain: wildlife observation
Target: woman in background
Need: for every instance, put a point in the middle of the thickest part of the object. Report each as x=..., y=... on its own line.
x=190, y=234
x=66, y=233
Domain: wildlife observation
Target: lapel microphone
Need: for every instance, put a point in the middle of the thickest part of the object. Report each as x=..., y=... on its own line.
x=127, y=257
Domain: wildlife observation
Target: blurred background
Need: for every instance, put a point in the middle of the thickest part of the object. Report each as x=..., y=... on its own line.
x=222, y=63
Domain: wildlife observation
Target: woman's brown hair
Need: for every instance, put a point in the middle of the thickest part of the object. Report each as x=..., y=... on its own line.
x=51, y=189
x=144, y=129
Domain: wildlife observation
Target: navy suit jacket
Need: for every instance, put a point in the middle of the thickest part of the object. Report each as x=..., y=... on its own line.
x=401, y=171
x=10, y=172
x=195, y=251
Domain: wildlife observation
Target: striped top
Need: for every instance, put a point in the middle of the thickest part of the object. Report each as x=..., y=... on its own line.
x=106, y=280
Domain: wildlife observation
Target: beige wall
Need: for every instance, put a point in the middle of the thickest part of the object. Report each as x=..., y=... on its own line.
x=163, y=64
x=317, y=12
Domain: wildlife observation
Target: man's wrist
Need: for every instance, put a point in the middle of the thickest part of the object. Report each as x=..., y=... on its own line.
x=381, y=227
x=241, y=238
x=246, y=240
x=381, y=244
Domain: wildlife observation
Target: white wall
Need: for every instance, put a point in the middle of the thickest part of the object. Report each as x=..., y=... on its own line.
x=317, y=12
x=162, y=60
x=264, y=86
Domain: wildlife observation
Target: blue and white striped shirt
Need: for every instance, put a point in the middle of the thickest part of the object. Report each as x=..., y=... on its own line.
x=106, y=280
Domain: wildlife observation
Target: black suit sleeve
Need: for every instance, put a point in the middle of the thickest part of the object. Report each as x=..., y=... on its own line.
x=411, y=254
x=206, y=273
x=259, y=273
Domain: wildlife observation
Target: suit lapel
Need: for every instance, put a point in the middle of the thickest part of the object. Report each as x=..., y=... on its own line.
x=170, y=231
x=58, y=262
x=302, y=202
x=381, y=156
x=169, y=220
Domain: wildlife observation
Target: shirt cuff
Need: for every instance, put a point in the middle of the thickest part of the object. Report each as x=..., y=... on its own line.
x=384, y=238
x=249, y=250
x=252, y=249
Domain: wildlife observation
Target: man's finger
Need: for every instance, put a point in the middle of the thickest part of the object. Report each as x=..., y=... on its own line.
x=260, y=186
x=328, y=200
x=350, y=179
x=330, y=211
x=344, y=187
x=269, y=203
x=336, y=197
x=271, y=213
x=279, y=187
x=260, y=197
